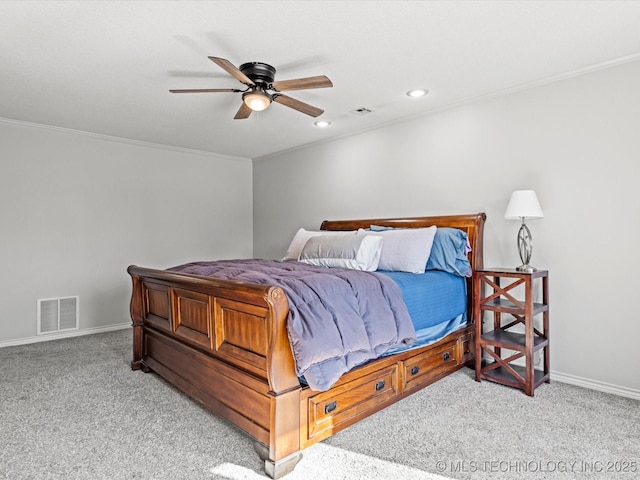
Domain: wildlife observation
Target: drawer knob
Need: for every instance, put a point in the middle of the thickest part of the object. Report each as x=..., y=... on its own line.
x=415, y=370
x=380, y=385
x=446, y=356
x=330, y=407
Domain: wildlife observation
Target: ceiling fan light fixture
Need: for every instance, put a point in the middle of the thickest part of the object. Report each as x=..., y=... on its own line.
x=256, y=100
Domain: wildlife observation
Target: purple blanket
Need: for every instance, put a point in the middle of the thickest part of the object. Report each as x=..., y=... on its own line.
x=338, y=318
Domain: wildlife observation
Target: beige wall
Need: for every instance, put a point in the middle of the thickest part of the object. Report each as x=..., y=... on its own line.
x=77, y=209
x=574, y=141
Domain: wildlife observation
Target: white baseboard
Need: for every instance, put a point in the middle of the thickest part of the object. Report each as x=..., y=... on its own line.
x=595, y=385
x=585, y=382
x=67, y=334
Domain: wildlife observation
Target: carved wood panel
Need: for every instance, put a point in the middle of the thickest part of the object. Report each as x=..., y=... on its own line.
x=157, y=309
x=192, y=317
x=242, y=334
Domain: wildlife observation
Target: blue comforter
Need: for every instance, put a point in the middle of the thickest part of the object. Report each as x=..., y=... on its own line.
x=338, y=318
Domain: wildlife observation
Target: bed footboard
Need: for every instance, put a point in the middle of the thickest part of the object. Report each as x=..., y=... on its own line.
x=225, y=345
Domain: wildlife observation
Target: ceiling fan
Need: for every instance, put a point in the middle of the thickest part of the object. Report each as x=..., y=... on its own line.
x=261, y=89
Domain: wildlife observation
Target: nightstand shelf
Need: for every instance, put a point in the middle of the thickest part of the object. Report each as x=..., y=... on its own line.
x=490, y=295
x=503, y=376
x=501, y=305
x=513, y=341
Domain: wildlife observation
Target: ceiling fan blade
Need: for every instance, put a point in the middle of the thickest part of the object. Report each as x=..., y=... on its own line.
x=319, y=81
x=232, y=70
x=243, y=112
x=206, y=90
x=298, y=105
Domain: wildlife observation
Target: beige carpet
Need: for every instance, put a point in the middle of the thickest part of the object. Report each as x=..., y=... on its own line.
x=73, y=409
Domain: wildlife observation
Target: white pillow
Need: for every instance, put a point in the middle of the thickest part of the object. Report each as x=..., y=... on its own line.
x=301, y=237
x=356, y=252
x=404, y=249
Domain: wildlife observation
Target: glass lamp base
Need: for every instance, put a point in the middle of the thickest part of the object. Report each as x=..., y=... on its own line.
x=525, y=248
x=526, y=268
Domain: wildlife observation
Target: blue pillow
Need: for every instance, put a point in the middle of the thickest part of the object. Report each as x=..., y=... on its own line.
x=449, y=251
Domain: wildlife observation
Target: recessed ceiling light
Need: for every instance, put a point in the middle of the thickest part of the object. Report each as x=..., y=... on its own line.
x=322, y=123
x=421, y=92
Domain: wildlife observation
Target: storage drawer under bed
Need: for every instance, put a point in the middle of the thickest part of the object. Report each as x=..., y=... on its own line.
x=429, y=365
x=331, y=411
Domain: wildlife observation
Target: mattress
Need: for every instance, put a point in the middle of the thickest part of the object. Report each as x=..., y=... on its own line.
x=437, y=304
x=432, y=297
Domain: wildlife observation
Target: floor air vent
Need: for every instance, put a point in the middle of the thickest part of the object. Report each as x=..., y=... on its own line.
x=57, y=314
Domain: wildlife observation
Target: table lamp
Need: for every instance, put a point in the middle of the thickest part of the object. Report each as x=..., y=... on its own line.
x=523, y=205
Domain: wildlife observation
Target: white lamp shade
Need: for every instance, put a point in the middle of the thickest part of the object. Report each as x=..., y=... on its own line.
x=523, y=204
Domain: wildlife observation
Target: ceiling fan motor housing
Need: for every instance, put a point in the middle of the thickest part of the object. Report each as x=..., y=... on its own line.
x=260, y=73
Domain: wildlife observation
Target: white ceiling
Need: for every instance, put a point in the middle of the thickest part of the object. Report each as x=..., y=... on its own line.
x=106, y=67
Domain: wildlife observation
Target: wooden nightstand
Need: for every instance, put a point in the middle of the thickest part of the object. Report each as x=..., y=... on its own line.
x=499, y=299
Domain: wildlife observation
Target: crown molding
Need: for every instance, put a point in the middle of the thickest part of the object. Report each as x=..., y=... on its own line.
x=127, y=141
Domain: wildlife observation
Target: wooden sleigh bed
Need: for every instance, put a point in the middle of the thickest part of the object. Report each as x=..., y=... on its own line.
x=225, y=344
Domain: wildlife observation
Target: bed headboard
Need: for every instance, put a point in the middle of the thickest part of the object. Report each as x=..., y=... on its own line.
x=472, y=224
